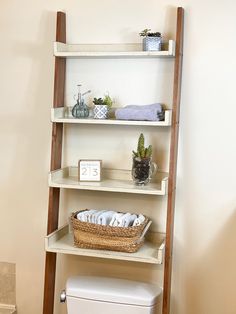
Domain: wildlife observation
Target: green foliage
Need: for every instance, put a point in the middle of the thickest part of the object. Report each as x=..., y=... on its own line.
x=142, y=152
x=149, y=151
x=140, y=147
x=107, y=101
x=103, y=101
x=147, y=33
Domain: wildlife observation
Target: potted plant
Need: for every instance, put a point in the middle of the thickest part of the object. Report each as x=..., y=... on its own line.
x=102, y=106
x=143, y=168
x=151, y=40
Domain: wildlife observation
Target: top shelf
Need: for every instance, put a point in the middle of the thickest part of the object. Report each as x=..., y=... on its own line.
x=111, y=51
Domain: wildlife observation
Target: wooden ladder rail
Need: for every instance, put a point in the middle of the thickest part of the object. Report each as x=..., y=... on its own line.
x=56, y=154
x=173, y=161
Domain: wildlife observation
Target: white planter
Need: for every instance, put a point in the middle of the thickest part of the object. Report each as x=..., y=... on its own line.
x=100, y=111
x=152, y=43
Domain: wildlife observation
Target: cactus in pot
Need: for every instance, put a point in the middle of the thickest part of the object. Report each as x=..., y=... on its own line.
x=142, y=152
x=143, y=167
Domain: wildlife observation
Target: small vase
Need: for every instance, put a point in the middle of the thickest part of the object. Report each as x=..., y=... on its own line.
x=80, y=110
x=152, y=43
x=142, y=170
x=100, y=111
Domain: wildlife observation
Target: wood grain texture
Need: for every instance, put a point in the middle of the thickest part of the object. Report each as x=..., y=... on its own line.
x=49, y=283
x=173, y=162
x=56, y=153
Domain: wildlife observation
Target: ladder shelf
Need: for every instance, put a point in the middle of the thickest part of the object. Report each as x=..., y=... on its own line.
x=59, y=240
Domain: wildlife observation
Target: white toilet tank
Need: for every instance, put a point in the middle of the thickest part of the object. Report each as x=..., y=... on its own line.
x=99, y=295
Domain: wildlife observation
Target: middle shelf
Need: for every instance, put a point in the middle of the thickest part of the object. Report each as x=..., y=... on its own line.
x=113, y=180
x=62, y=115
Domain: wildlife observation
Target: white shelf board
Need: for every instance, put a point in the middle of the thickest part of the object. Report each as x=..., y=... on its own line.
x=61, y=115
x=7, y=308
x=61, y=241
x=111, y=50
x=113, y=180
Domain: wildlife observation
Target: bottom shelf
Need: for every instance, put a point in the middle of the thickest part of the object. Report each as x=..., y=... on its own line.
x=61, y=241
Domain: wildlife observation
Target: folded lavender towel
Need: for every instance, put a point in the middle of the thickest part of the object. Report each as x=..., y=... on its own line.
x=153, y=112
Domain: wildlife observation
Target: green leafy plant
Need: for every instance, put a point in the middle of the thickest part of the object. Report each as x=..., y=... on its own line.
x=108, y=101
x=147, y=33
x=142, y=151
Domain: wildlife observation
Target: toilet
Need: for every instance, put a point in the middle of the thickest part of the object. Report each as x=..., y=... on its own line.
x=95, y=295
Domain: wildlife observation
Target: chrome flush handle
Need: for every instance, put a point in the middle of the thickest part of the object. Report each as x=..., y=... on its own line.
x=63, y=296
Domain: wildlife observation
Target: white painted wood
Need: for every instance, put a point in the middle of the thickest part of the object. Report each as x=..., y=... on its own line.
x=111, y=50
x=113, y=180
x=61, y=241
x=7, y=308
x=61, y=115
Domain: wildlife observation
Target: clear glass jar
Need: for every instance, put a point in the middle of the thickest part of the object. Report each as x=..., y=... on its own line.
x=142, y=170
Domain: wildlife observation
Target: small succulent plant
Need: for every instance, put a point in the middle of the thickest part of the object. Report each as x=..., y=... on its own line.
x=147, y=33
x=142, y=152
x=107, y=101
x=98, y=101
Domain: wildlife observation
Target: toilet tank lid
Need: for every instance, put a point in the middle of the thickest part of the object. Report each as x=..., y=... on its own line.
x=113, y=290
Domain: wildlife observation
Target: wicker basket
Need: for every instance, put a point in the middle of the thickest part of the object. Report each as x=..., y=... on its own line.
x=93, y=236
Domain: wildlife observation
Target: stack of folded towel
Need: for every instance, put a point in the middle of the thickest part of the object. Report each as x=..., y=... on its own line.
x=153, y=112
x=110, y=218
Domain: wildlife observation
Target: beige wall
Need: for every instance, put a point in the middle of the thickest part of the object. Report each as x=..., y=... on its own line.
x=204, y=248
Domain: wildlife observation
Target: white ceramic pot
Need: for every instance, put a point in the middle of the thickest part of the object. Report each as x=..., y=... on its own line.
x=100, y=111
x=152, y=43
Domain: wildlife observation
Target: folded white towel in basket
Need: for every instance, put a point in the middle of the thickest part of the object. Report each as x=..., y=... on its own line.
x=126, y=220
x=86, y=215
x=114, y=221
x=121, y=220
x=129, y=220
x=105, y=218
x=81, y=216
x=139, y=220
x=110, y=217
x=96, y=215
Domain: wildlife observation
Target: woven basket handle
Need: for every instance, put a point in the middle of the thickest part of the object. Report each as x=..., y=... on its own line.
x=144, y=231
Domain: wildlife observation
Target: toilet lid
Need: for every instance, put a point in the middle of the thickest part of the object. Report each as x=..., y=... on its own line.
x=113, y=290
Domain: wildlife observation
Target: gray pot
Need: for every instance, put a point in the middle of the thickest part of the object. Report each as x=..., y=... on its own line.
x=100, y=111
x=151, y=43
